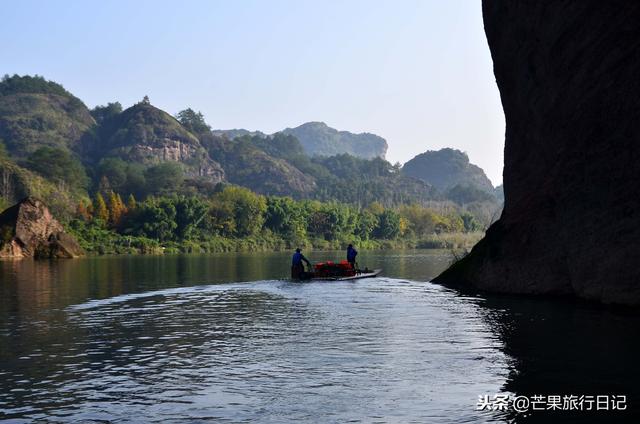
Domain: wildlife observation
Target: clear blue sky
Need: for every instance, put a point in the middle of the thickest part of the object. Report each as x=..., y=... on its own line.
x=418, y=73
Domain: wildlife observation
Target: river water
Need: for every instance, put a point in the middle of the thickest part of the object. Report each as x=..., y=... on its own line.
x=228, y=338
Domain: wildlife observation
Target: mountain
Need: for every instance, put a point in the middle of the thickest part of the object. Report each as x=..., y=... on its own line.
x=247, y=164
x=38, y=113
x=318, y=139
x=238, y=132
x=145, y=151
x=360, y=181
x=278, y=165
x=146, y=135
x=447, y=168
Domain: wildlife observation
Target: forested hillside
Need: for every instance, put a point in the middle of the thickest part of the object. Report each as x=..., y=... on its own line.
x=446, y=169
x=37, y=113
x=140, y=172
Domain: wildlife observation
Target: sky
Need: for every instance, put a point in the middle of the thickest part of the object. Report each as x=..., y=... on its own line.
x=416, y=72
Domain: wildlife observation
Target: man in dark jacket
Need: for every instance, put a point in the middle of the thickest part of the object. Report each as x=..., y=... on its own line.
x=351, y=255
x=296, y=264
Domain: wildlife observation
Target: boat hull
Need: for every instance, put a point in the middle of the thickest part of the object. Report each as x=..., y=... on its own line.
x=360, y=275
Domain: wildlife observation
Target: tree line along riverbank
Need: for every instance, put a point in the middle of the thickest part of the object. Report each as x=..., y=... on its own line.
x=235, y=219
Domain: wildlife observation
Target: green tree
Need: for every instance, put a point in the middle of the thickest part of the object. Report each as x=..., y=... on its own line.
x=220, y=219
x=59, y=166
x=248, y=209
x=470, y=223
x=155, y=218
x=389, y=225
x=115, y=170
x=286, y=217
x=191, y=213
x=136, y=181
x=367, y=223
x=164, y=178
x=103, y=114
x=193, y=121
x=421, y=220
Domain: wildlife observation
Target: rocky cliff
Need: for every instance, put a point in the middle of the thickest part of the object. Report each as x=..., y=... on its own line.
x=568, y=78
x=147, y=135
x=28, y=230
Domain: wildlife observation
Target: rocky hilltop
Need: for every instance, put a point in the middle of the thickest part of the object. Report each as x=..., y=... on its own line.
x=319, y=139
x=447, y=168
x=568, y=79
x=28, y=230
x=146, y=135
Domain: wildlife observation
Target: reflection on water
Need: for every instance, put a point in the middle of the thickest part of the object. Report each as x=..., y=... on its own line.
x=562, y=347
x=226, y=337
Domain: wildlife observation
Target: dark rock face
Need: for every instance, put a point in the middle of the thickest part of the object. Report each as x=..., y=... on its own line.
x=568, y=78
x=28, y=230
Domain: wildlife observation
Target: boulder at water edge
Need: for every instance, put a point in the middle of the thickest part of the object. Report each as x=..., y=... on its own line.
x=29, y=230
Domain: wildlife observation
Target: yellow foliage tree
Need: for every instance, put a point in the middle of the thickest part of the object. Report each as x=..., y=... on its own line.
x=100, y=208
x=116, y=209
x=131, y=203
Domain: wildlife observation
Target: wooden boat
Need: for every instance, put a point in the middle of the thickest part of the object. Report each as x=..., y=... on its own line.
x=340, y=271
x=358, y=275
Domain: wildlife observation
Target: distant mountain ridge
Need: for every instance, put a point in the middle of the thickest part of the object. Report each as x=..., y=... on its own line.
x=237, y=132
x=319, y=139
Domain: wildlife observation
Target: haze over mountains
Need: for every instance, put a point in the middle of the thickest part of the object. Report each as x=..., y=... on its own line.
x=319, y=139
x=45, y=131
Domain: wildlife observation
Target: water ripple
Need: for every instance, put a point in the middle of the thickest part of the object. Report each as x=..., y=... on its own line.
x=273, y=351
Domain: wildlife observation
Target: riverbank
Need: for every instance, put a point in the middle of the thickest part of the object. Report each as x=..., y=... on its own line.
x=100, y=241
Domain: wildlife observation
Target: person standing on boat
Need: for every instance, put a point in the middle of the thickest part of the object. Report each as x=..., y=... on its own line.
x=296, y=264
x=351, y=256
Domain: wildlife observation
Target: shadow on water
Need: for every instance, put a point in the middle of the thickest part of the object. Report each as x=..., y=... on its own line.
x=145, y=325
x=566, y=347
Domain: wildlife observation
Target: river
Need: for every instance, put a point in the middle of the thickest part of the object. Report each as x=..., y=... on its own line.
x=227, y=338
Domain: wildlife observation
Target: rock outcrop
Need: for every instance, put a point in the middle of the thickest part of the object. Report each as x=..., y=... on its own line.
x=28, y=230
x=147, y=135
x=568, y=78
